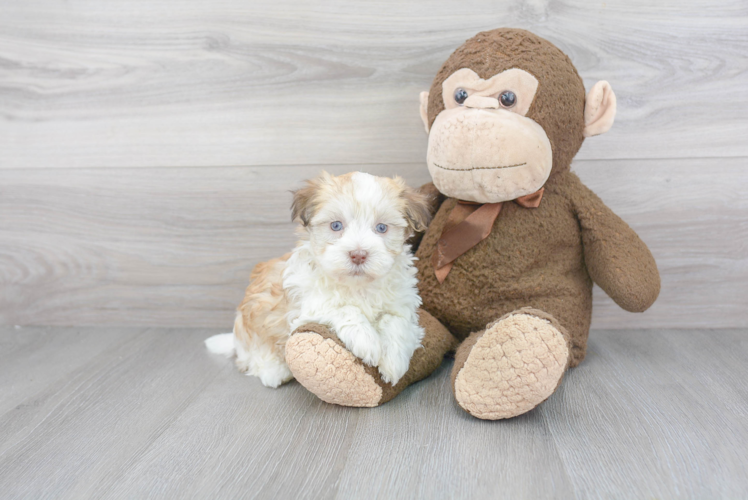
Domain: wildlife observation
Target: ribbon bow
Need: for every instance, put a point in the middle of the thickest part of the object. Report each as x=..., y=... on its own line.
x=468, y=224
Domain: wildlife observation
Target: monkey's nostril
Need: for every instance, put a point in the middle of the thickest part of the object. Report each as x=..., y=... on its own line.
x=358, y=257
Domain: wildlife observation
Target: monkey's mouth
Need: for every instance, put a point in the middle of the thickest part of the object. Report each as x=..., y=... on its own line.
x=479, y=168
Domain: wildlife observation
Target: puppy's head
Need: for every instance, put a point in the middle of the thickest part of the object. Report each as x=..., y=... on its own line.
x=357, y=223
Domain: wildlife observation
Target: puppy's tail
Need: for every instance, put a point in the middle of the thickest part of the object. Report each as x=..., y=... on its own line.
x=223, y=343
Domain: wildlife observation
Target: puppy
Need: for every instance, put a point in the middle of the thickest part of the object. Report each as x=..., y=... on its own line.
x=352, y=270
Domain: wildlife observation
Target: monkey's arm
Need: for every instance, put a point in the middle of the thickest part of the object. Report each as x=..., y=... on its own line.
x=616, y=258
x=436, y=200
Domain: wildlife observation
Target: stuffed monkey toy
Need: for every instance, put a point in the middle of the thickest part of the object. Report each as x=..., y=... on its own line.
x=507, y=264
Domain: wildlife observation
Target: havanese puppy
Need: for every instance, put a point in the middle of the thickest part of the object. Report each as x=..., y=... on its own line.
x=352, y=270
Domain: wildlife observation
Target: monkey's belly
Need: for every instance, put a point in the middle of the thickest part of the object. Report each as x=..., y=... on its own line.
x=529, y=259
x=467, y=304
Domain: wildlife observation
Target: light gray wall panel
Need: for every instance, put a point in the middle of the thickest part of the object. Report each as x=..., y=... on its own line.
x=175, y=246
x=156, y=83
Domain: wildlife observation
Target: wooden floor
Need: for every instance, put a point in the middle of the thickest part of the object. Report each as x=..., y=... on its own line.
x=139, y=413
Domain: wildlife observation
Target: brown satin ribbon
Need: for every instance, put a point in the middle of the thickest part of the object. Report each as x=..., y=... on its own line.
x=468, y=224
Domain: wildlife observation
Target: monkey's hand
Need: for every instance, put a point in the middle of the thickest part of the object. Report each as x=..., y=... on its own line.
x=616, y=258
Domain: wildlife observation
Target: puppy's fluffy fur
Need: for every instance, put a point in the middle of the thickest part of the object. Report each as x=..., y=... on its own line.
x=352, y=270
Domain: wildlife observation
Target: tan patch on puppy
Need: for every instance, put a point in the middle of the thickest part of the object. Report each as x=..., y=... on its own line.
x=261, y=316
x=416, y=206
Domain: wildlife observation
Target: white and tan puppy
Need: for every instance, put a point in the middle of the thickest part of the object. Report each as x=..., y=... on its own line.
x=352, y=270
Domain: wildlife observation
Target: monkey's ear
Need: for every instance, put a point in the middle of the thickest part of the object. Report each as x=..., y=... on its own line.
x=599, y=109
x=425, y=110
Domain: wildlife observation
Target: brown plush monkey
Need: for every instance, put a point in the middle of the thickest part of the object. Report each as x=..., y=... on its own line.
x=506, y=266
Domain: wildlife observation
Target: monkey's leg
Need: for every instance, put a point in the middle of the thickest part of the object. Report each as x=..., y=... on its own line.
x=322, y=364
x=512, y=366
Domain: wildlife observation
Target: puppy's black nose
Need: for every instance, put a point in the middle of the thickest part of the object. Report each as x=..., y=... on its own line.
x=358, y=257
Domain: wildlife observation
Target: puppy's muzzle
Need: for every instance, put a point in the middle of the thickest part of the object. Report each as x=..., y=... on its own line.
x=358, y=257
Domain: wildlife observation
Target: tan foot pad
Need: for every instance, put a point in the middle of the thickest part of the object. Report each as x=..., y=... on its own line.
x=330, y=372
x=512, y=368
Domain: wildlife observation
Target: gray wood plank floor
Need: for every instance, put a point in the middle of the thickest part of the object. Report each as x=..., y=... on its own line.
x=147, y=413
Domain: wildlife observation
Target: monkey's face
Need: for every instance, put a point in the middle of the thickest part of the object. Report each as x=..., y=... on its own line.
x=506, y=111
x=482, y=146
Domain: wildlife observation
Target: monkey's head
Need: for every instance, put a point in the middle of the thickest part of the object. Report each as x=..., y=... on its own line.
x=505, y=112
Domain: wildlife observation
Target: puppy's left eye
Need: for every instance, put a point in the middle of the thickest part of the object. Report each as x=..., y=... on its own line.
x=336, y=226
x=381, y=228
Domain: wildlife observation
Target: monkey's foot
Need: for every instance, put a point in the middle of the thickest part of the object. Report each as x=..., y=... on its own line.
x=512, y=366
x=320, y=362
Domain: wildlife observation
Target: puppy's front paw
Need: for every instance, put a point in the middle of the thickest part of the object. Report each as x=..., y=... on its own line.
x=392, y=367
x=363, y=344
x=274, y=376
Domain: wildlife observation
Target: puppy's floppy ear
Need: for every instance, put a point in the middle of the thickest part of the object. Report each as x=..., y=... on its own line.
x=416, y=208
x=303, y=205
x=307, y=199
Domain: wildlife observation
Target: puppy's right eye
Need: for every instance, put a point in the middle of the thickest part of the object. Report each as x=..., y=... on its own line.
x=336, y=226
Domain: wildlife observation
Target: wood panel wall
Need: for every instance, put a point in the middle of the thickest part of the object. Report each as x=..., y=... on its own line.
x=147, y=148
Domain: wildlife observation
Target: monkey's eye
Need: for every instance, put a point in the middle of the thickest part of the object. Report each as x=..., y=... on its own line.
x=508, y=99
x=382, y=228
x=460, y=96
x=336, y=226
